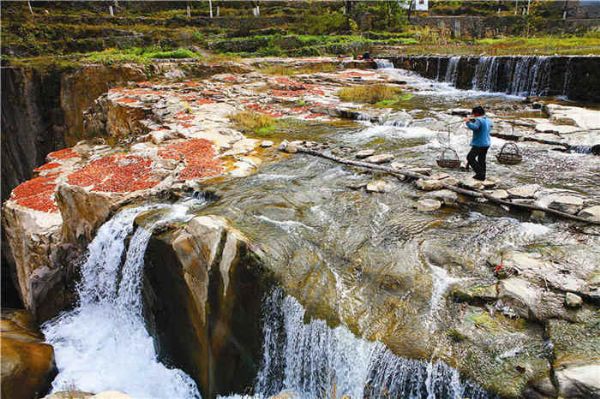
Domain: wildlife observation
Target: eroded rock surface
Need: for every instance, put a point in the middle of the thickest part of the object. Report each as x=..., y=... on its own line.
x=27, y=362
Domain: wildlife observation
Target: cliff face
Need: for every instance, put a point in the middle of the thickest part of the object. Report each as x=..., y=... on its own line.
x=31, y=117
x=211, y=325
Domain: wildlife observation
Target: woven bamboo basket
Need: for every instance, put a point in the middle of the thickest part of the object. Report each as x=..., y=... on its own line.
x=509, y=154
x=448, y=159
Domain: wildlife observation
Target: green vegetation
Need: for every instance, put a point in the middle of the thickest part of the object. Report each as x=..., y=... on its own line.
x=136, y=54
x=254, y=122
x=140, y=32
x=373, y=94
x=284, y=70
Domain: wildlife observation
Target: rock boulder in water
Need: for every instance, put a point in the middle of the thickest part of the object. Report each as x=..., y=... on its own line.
x=446, y=196
x=364, y=154
x=429, y=184
x=378, y=186
x=526, y=191
x=579, y=381
x=27, y=362
x=563, y=203
x=591, y=213
x=428, y=205
x=381, y=158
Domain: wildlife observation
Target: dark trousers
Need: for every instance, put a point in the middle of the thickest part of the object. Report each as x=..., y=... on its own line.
x=476, y=160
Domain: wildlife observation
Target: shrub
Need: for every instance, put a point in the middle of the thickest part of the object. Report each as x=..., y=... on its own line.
x=369, y=94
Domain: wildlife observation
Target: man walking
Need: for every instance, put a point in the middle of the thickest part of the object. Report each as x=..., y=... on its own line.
x=480, y=143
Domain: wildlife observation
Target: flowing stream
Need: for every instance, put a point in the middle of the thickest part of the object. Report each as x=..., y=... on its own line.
x=103, y=343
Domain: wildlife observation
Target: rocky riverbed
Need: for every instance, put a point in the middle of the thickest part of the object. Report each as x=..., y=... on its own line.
x=510, y=299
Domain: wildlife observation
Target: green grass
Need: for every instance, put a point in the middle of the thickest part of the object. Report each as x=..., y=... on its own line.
x=372, y=94
x=254, y=122
x=137, y=55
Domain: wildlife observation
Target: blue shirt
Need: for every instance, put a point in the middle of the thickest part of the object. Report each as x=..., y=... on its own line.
x=481, y=128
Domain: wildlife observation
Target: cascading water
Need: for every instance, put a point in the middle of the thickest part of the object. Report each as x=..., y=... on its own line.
x=103, y=344
x=529, y=76
x=383, y=64
x=452, y=70
x=486, y=74
x=316, y=361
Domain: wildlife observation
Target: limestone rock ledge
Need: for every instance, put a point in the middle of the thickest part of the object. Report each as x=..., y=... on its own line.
x=203, y=290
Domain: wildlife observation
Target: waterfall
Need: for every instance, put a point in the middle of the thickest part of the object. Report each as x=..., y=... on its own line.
x=103, y=343
x=316, y=361
x=452, y=70
x=486, y=74
x=384, y=63
x=529, y=76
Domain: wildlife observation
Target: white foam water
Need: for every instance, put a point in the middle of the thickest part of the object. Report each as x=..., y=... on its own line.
x=103, y=343
x=313, y=360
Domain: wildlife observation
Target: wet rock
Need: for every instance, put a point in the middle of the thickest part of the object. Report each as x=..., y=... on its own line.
x=475, y=292
x=499, y=194
x=428, y=205
x=523, y=296
x=564, y=203
x=591, y=213
x=27, y=362
x=356, y=185
x=489, y=183
x=471, y=184
x=459, y=111
x=439, y=176
x=552, y=128
x=215, y=284
x=573, y=300
x=579, y=381
x=576, y=116
x=448, y=197
x=429, y=184
x=397, y=165
x=423, y=171
x=266, y=143
x=364, y=154
x=526, y=191
x=561, y=275
x=380, y=158
x=452, y=181
x=378, y=186
x=291, y=148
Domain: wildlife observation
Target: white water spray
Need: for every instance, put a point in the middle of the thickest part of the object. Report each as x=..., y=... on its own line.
x=315, y=361
x=103, y=344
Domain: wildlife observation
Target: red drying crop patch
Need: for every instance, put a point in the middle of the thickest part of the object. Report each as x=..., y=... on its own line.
x=65, y=153
x=203, y=101
x=47, y=166
x=198, y=155
x=191, y=83
x=115, y=174
x=182, y=116
x=37, y=193
x=127, y=100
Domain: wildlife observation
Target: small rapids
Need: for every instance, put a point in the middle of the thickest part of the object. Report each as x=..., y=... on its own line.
x=316, y=361
x=103, y=343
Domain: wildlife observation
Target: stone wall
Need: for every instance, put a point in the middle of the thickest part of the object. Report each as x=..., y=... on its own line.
x=493, y=26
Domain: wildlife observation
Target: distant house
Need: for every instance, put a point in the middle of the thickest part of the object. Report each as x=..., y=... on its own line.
x=419, y=5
